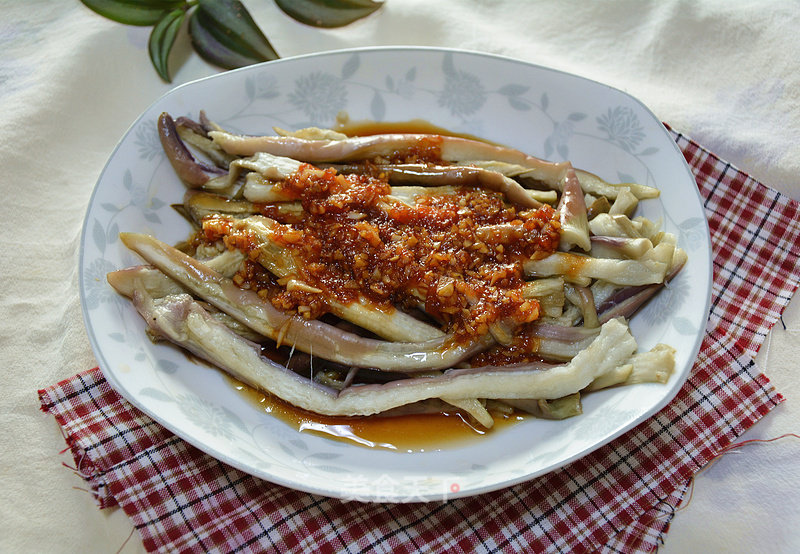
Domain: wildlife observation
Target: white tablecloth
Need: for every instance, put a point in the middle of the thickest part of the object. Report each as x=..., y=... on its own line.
x=725, y=73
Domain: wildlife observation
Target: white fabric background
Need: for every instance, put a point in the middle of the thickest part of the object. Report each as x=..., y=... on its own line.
x=724, y=72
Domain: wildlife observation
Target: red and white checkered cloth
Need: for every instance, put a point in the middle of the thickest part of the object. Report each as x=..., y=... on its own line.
x=619, y=498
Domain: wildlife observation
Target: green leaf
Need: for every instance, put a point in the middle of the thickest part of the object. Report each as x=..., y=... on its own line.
x=328, y=13
x=162, y=37
x=133, y=12
x=224, y=33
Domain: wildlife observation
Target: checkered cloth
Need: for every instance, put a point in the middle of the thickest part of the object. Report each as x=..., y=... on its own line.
x=619, y=498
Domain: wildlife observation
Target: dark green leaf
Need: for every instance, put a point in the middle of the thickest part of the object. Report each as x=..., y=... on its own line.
x=162, y=37
x=133, y=12
x=224, y=33
x=328, y=13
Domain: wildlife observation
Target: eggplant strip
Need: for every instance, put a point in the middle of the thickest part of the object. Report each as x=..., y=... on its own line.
x=182, y=321
x=572, y=215
x=199, y=204
x=621, y=272
x=618, y=225
x=590, y=183
x=627, y=301
x=156, y=285
x=582, y=298
x=474, y=408
x=451, y=149
x=199, y=139
x=654, y=366
x=625, y=203
x=393, y=325
x=410, y=193
x=558, y=408
x=619, y=247
x=401, y=174
x=471, y=406
x=193, y=173
x=309, y=336
x=323, y=146
x=260, y=189
x=259, y=186
x=126, y=281
x=593, y=184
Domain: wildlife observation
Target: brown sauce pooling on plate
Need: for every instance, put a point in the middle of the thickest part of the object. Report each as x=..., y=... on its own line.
x=401, y=433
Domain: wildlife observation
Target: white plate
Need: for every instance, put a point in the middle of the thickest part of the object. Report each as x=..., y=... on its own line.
x=538, y=110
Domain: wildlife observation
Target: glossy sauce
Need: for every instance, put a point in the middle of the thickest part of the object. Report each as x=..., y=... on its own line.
x=401, y=433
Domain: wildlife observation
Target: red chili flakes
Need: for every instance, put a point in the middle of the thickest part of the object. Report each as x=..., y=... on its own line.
x=457, y=255
x=523, y=349
x=427, y=149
